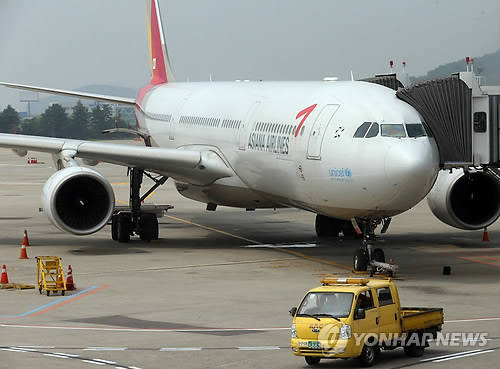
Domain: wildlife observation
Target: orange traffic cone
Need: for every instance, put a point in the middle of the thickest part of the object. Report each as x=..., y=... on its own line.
x=70, y=285
x=24, y=254
x=59, y=282
x=26, y=242
x=5, y=278
x=485, y=235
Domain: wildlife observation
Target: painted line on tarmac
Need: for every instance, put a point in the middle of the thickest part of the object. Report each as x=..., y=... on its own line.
x=285, y=250
x=55, y=304
x=283, y=246
x=486, y=319
x=458, y=355
x=62, y=355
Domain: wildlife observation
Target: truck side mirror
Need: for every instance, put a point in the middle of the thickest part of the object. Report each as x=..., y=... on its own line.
x=293, y=311
x=359, y=313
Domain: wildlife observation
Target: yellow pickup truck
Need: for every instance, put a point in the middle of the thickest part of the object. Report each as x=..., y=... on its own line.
x=357, y=318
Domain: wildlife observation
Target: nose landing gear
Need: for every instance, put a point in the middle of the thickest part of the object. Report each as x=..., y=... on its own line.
x=367, y=255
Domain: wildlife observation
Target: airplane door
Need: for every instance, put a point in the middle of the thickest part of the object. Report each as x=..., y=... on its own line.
x=317, y=133
x=247, y=123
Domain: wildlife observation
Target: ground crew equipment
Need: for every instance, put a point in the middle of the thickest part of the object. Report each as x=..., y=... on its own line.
x=4, y=278
x=50, y=275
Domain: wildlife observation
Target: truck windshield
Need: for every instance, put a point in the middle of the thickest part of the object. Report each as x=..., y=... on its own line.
x=337, y=304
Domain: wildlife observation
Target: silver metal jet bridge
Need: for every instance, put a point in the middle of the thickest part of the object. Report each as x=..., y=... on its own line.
x=462, y=115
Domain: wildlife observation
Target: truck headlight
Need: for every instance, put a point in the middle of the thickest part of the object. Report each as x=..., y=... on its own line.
x=345, y=332
x=294, y=331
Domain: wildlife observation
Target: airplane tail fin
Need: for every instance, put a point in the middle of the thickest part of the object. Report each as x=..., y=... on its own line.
x=160, y=63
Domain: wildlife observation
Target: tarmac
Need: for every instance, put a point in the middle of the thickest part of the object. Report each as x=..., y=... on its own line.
x=215, y=289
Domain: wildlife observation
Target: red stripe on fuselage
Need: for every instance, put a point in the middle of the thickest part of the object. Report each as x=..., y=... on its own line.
x=304, y=113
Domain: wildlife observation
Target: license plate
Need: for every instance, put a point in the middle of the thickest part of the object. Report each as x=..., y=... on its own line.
x=314, y=345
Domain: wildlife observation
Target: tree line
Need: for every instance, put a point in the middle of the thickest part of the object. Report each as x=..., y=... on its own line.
x=81, y=123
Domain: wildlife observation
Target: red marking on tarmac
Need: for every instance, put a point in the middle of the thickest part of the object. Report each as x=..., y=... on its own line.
x=69, y=300
x=304, y=113
x=487, y=260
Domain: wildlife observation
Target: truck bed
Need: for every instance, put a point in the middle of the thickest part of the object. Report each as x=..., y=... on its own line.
x=417, y=318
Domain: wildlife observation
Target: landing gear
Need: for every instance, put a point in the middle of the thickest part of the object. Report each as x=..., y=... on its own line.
x=127, y=223
x=366, y=253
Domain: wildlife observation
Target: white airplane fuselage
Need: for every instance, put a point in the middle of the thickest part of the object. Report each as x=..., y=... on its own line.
x=278, y=162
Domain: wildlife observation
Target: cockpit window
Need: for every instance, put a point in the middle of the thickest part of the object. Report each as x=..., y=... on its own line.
x=373, y=131
x=415, y=130
x=393, y=130
x=361, y=131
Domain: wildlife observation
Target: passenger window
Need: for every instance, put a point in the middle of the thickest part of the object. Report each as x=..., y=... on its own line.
x=384, y=296
x=373, y=132
x=393, y=130
x=365, y=300
x=361, y=131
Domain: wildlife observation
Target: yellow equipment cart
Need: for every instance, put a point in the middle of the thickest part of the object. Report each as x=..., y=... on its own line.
x=50, y=275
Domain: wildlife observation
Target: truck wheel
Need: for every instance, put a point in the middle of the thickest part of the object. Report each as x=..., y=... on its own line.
x=378, y=255
x=312, y=360
x=368, y=355
x=360, y=260
x=414, y=350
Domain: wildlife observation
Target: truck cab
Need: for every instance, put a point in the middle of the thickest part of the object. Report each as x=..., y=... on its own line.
x=356, y=318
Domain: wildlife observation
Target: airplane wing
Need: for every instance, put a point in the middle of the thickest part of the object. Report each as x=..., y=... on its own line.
x=196, y=167
x=83, y=95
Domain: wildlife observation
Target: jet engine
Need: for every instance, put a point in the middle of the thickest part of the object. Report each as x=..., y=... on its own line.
x=78, y=200
x=465, y=200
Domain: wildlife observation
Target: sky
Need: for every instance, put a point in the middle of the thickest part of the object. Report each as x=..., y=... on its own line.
x=72, y=43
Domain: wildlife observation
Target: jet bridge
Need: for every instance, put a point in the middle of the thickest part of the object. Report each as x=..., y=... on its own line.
x=462, y=115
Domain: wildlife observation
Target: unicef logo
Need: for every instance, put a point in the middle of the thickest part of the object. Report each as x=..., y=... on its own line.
x=329, y=337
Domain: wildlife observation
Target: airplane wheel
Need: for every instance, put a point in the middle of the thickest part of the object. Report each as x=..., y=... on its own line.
x=148, y=225
x=114, y=227
x=378, y=255
x=360, y=260
x=123, y=228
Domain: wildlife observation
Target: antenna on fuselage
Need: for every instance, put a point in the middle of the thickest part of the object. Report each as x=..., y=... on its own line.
x=352, y=76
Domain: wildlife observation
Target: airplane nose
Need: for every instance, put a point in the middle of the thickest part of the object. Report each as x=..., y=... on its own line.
x=411, y=168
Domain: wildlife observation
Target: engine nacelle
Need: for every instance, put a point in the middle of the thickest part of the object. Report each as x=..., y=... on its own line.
x=466, y=201
x=78, y=200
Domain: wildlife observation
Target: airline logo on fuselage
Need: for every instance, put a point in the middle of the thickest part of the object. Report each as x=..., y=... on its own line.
x=277, y=144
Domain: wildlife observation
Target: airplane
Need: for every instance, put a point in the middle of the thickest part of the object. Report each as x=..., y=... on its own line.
x=349, y=151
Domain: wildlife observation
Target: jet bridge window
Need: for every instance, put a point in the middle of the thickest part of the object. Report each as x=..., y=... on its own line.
x=361, y=131
x=415, y=130
x=393, y=130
